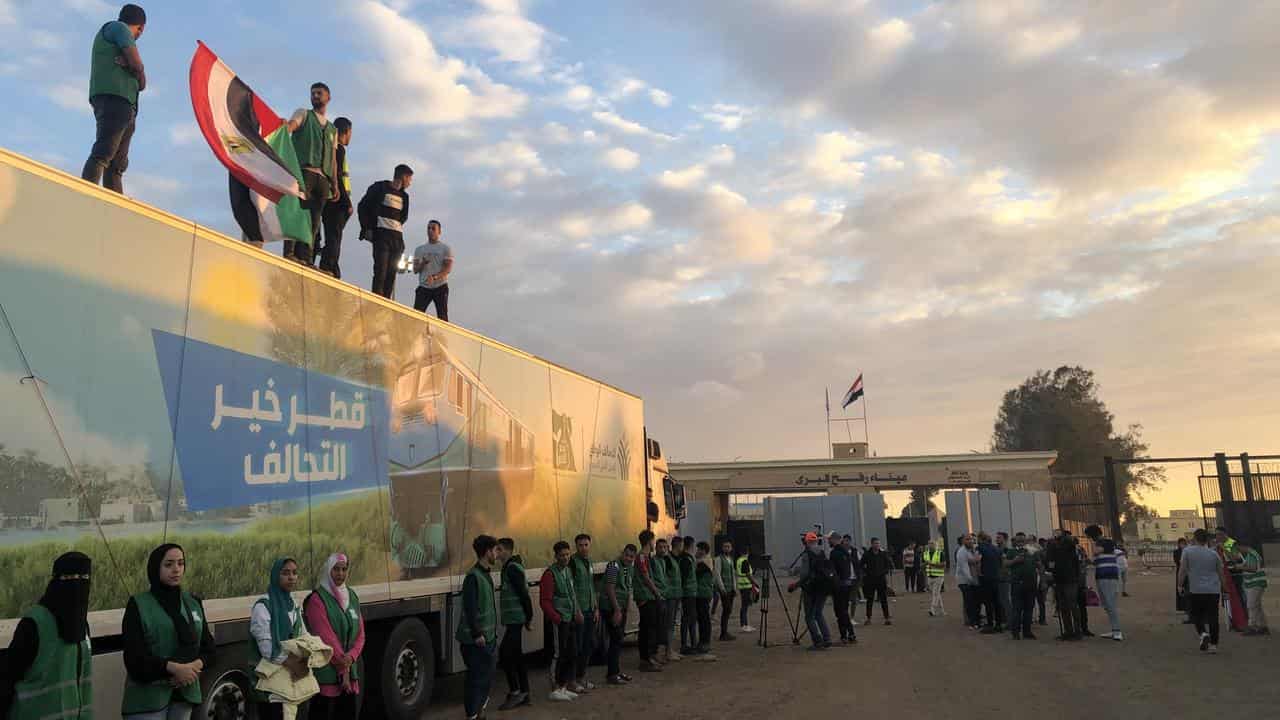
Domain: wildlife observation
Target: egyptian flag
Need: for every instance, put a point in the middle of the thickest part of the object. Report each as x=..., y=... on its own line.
x=255, y=146
x=855, y=392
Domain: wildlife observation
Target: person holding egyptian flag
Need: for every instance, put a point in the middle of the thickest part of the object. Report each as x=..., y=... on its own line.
x=256, y=146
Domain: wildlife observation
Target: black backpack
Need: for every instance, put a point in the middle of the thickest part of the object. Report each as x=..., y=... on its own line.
x=822, y=572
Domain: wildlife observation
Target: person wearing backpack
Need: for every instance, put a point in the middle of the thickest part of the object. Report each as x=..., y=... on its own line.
x=817, y=579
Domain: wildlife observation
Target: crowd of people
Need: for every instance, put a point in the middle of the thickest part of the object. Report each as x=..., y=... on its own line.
x=117, y=76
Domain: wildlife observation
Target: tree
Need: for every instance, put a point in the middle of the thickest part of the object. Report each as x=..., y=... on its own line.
x=921, y=503
x=1061, y=411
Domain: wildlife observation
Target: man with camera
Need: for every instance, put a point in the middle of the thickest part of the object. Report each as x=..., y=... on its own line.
x=817, y=579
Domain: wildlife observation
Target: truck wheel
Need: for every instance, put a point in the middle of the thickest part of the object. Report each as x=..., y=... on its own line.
x=228, y=698
x=407, y=670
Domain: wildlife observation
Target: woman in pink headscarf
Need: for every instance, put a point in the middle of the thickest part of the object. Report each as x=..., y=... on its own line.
x=332, y=611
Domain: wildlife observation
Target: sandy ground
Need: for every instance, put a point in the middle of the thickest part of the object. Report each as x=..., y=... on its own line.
x=934, y=668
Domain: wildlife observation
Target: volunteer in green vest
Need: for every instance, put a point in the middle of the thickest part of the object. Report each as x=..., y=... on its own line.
x=704, y=590
x=674, y=594
x=726, y=586
x=116, y=76
x=743, y=573
x=315, y=140
x=339, y=211
x=688, y=591
x=559, y=602
x=332, y=613
x=275, y=618
x=167, y=643
x=515, y=610
x=1255, y=585
x=615, y=600
x=585, y=587
x=648, y=597
x=49, y=660
x=935, y=569
x=478, y=629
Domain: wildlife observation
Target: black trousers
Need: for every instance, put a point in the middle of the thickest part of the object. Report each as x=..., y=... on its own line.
x=909, y=578
x=843, y=621
x=116, y=119
x=1040, y=598
x=335, y=219
x=726, y=609
x=987, y=596
x=969, y=595
x=1022, y=598
x=703, y=608
x=1065, y=597
x=342, y=707
x=688, y=622
x=1082, y=601
x=745, y=596
x=615, y=632
x=244, y=211
x=386, y=253
x=871, y=589
x=440, y=296
x=1204, y=613
x=317, y=188
x=650, y=619
x=511, y=657
x=565, y=639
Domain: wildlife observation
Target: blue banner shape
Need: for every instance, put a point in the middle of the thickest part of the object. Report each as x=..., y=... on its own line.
x=250, y=430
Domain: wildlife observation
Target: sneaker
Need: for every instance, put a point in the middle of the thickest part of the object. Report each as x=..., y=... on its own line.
x=572, y=695
x=1213, y=649
x=1117, y=636
x=931, y=614
x=888, y=621
x=625, y=677
x=512, y=702
x=826, y=644
x=1086, y=633
x=855, y=622
x=747, y=629
x=1124, y=594
x=579, y=689
x=675, y=657
x=560, y=695
x=615, y=680
x=589, y=685
x=1204, y=642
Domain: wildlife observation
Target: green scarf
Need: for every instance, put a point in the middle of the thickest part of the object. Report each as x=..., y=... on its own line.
x=280, y=604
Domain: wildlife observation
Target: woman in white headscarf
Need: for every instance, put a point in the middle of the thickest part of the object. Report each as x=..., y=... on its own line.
x=332, y=612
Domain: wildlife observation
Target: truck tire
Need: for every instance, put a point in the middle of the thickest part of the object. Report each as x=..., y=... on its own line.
x=227, y=698
x=406, y=671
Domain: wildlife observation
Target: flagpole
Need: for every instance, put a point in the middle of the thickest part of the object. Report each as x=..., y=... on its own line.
x=831, y=453
x=866, y=431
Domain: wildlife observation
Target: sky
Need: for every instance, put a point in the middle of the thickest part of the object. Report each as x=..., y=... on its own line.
x=729, y=207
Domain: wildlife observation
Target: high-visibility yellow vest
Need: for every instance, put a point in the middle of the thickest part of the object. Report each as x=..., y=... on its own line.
x=933, y=565
x=744, y=580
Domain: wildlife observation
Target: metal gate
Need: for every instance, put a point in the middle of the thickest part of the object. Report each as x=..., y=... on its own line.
x=1241, y=495
x=1084, y=500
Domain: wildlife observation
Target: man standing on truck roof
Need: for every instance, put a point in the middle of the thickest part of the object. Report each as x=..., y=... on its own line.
x=585, y=589
x=649, y=603
x=116, y=76
x=559, y=601
x=688, y=591
x=478, y=631
x=382, y=212
x=433, y=261
x=315, y=140
x=337, y=213
x=516, y=610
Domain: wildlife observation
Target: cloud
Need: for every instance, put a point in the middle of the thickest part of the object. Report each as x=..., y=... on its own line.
x=611, y=119
x=606, y=221
x=683, y=179
x=515, y=161
x=620, y=159
x=721, y=156
x=830, y=158
x=661, y=98
x=728, y=117
x=627, y=87
x=70, y=95
x=888, y=163
x=556, y=134
x=413, y=84
x=747, y=366
x=184, y=133
x=578, y=97
x=503, y=27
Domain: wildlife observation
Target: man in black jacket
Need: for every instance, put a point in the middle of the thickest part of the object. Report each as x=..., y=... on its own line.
x=1064, y=564
x=383, y=211
x=875, y=573
x=336, y=212
x=843, y=566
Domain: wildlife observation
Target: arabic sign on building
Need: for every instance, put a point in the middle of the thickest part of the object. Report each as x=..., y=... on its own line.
x=249, y=430
x=834, y=480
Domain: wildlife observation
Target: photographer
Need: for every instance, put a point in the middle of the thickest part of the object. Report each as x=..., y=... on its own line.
x=817, y=581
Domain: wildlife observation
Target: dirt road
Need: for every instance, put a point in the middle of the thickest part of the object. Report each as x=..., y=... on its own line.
x=934, y=668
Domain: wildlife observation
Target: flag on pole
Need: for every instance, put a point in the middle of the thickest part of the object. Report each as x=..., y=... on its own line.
x=253, y=143
x=855, y=392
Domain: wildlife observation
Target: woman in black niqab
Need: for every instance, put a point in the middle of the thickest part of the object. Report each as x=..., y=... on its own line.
x=67, y=595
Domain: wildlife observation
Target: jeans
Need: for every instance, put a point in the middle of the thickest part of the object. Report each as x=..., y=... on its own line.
x=1005, y=602
x=702, y=606
x=342, y=707
x=335, y=219
x=317, y=188
x=650, y=621
x=616, y=632
x=1022, y=598
x=386, y=253
x=479, y=662
x=1109, y=593
x=511, y=656
x=843, y=623
x=1257, y=617
x=116, y=119
x=870, y=590
x=564, y=640
x=1065, y=596
x=744, y=595
x=423, y=298
x=670, y=607
x=726, y=609
x=814, y=602
x=175, y=711
x=1204, y=613
x=935, y=595
x=969, y=595
x=244, y=211
x=586, y=645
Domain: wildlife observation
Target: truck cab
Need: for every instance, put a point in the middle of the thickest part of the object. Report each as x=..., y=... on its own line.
x=664, y=497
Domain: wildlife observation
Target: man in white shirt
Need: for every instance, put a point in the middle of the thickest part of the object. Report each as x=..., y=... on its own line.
x=433, y=262
x=967, y=559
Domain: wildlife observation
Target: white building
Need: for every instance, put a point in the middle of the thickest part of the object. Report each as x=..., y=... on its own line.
x=56, y=511
x=1178, y=524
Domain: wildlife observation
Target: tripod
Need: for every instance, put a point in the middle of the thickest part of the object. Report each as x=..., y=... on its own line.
x=763, y=639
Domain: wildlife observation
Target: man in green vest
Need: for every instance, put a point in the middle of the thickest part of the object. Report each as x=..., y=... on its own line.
x=614, y=602
x=704, y=590
x=338, y=212
x=315, y=140
x=559, y=602
x=648, y=596
x=478, y=629
x=1255, y=585
x=668, y=576
x=515, y=609
x=116, y=76
x=935, y=569
x=585, y=588
x=48, y=666
x=746, y=583
x=683, y=549
x=725, y=585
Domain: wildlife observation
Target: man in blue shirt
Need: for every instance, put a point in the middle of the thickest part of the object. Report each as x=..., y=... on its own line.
x=989, y=583
x=116, y=76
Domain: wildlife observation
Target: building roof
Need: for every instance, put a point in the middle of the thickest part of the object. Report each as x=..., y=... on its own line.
x=1034, y=459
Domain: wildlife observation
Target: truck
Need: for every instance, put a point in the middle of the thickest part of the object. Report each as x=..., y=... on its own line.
x=162, y=382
